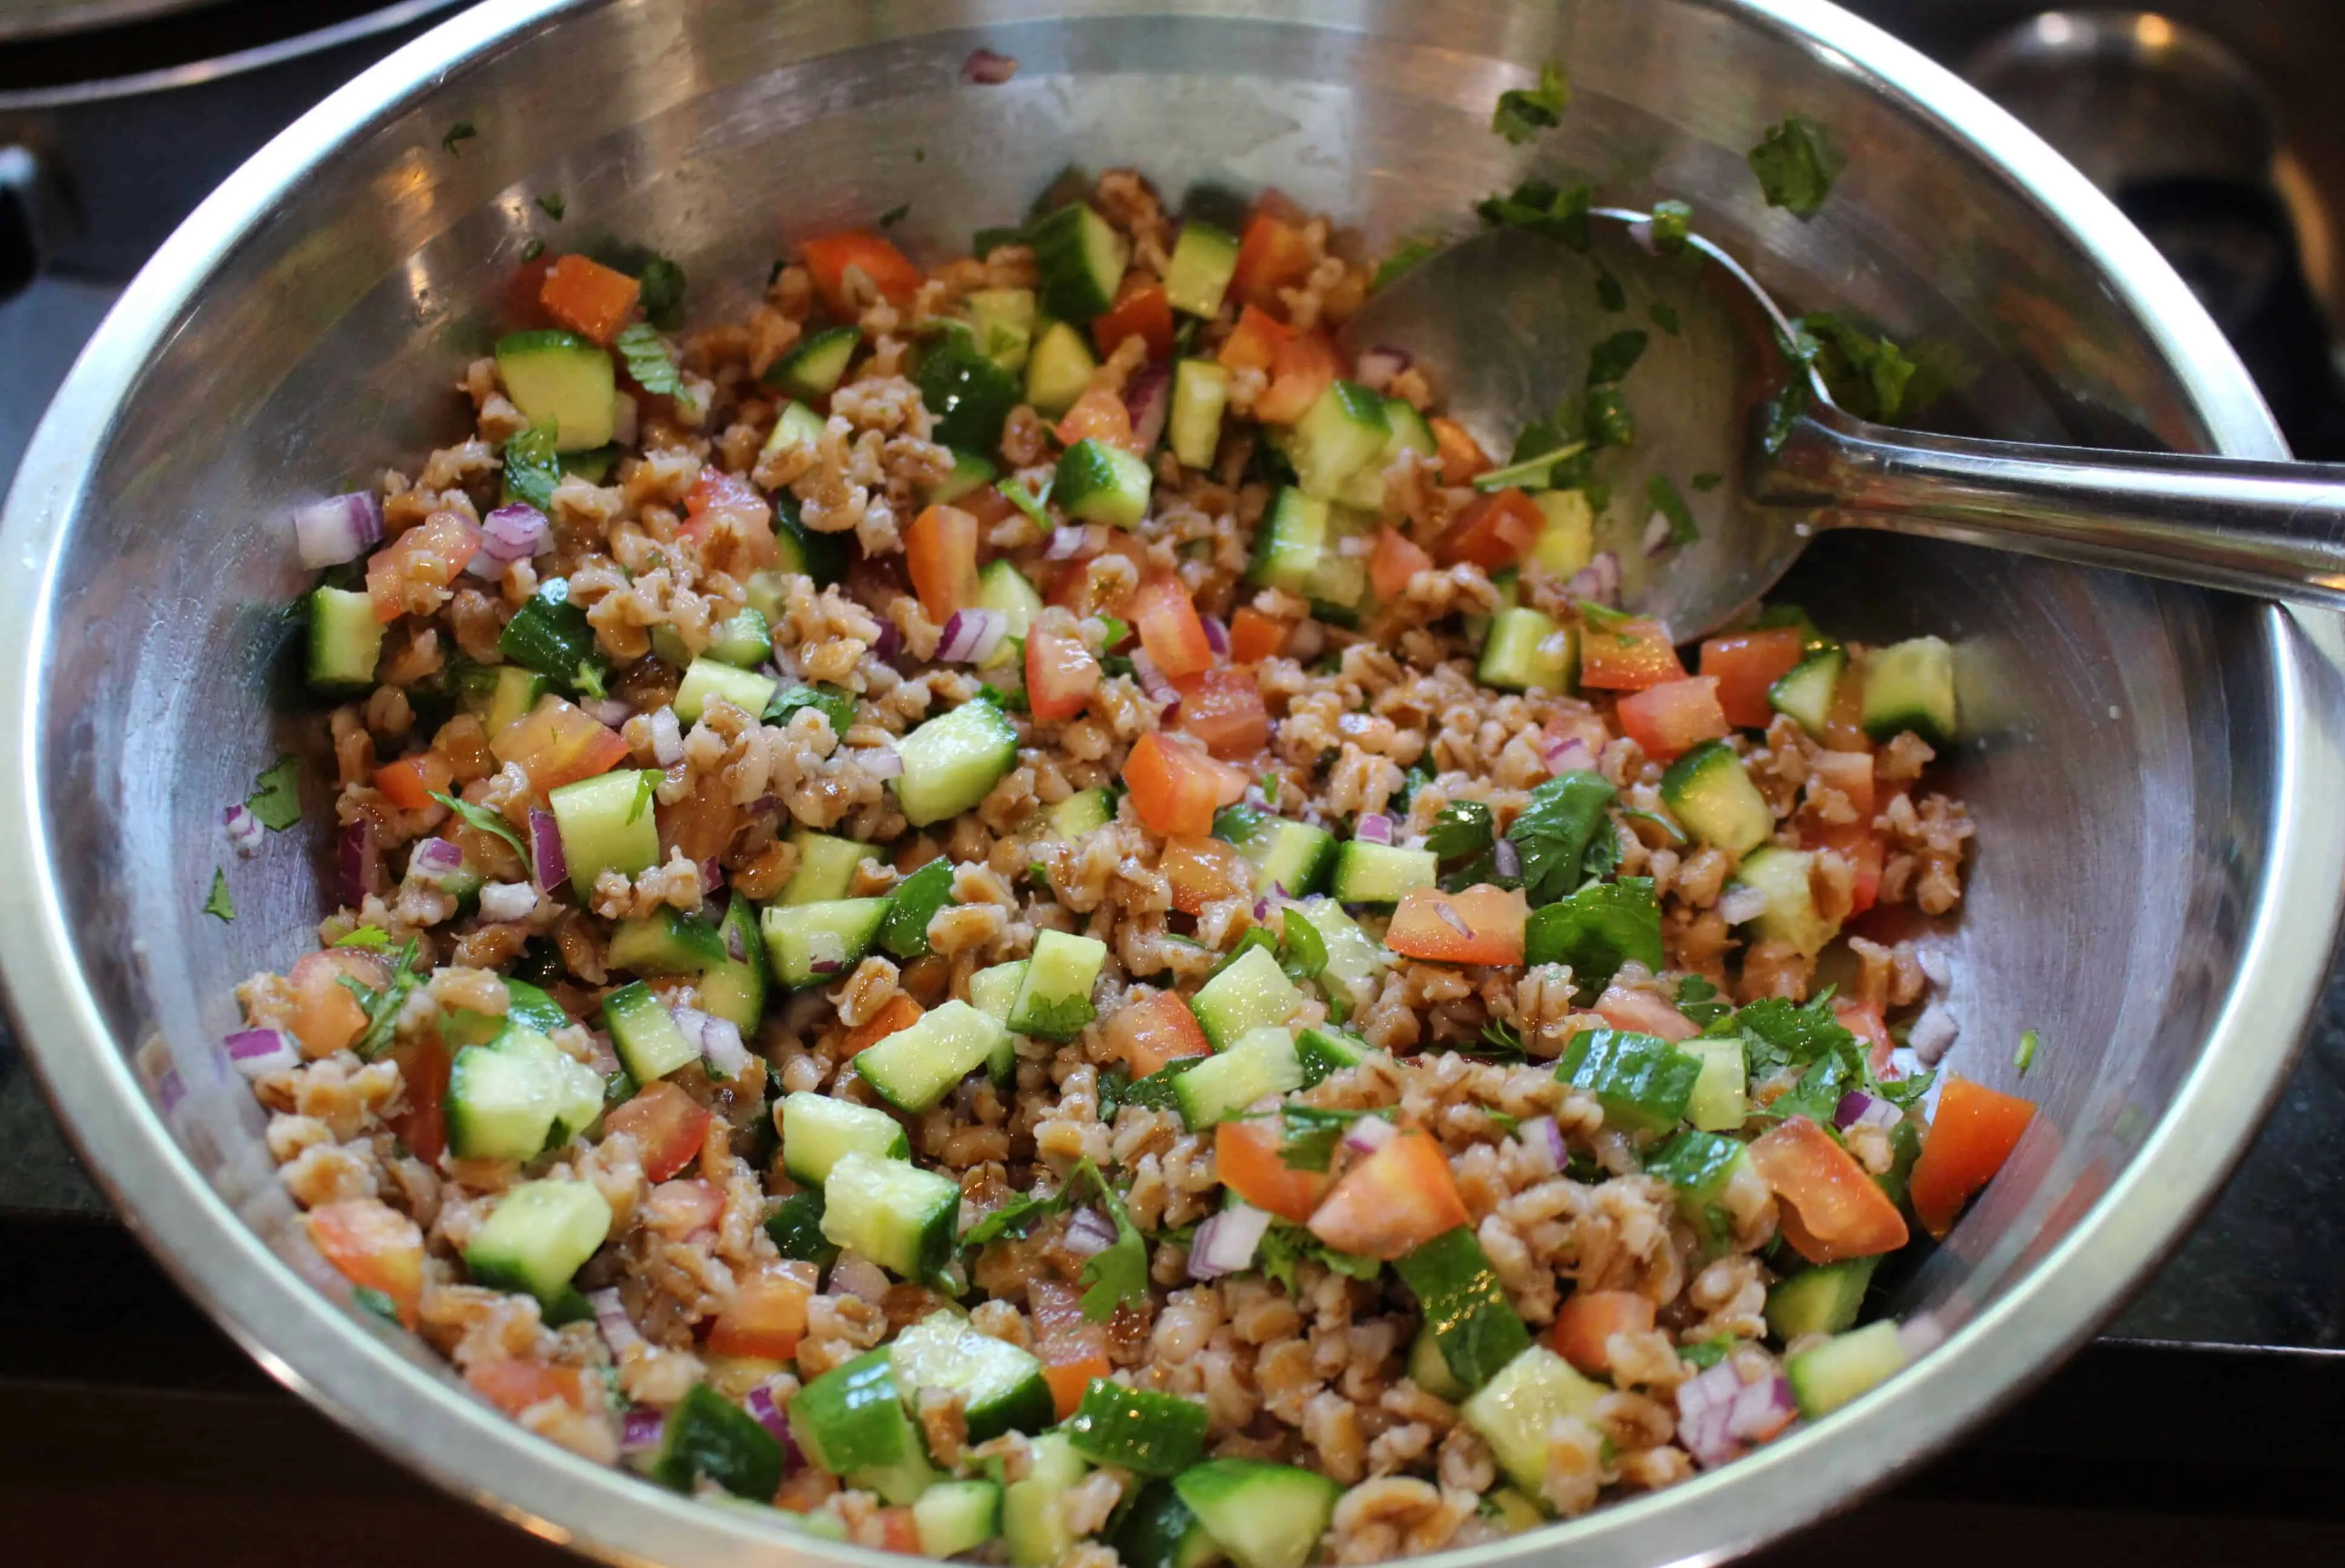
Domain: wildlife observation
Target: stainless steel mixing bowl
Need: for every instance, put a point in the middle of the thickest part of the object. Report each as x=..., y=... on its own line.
x=2155, y=773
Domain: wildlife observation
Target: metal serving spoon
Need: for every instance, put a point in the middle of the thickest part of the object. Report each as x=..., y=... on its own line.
x=1505, y=322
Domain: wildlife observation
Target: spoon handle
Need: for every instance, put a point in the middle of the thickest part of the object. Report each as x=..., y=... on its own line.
x=2273, y=528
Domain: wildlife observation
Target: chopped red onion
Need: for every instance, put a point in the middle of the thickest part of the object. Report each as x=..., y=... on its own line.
x=1932, y=1033
x=667, y=738
x=504, y=901
x=257, y=1053
x=1568, y=754
x=1089, y=1232
x=619, y=1331
x=1217, y=636
x=1706, y=1414
x=1378, y=365
x=1067, y=543
x=1451, y=918
x=545, y=849
x=360, y=862
x=1761, y=1410
x=640, y=1431
x=770, y=1415
x=515, y=532
x=857, y=1276
x=719, y=1040
x=1543, y=1139
x=1148, y=398
x=1367, y=1134
x=1851, y=1109
x=1656, y=535
x=608, y=711
x=1374, y=828
x=244, y=831
x=1224, y=1243
x=1742, y=903
x=971, y=636
x=737, y=947
x=1506, y=858
x=890, y=643
x=600, y=1056
x=1936, y=967
x=1599, y=581
x=882, y=762
x=1152, y=681
x=712, y=875
x=169, y=1090
x=984, y=68
x=338, y=530
x=436, y=863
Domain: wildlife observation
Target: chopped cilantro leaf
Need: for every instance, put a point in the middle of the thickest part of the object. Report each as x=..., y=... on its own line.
x=533, y=249
x=1007, y=702
x=1255, y=937
x=458, y=135
x=482, y=820
x=1596, y=930
x=1120, y=1273
x=369, y=1300
x=1868, y=374
x=1524, y=112
x=1030, y=504
x=1664, y=316
x=1311, y=1135
x=589, y=681
x=1112, y=631
x=1399, y=259
x=531, y=467
x=830, y=702
x=1059, y=1017
x=218, y=904
x=1612, y=359
x=648, y=359
x=1565, y=817
x=1783, y=1034
x=1706, y=482
x=1013, y=1219
x=275, y=798
x=1497, y=1041
x=662, y=296
x=1463, y=828
x=1672, y=505
x=1610, y=294
x=1796, y=163
x=382, y=1007
x=372, y=937
x=1284, y=1246
x=1542, y=209
x=1302, y=951
x=1155, y=1091
x=1709, y=1352
x=552, y=206
x=1698, y=999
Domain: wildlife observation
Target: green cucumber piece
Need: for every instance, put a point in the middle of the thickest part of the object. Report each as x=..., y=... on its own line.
x=1720, y=1098
x=1514, y=1410
x=814, y=368
x=742, y=639
x=912, y=905
x=951, y=761
x=1084, y=812
x=968, y=393
x=1641, y=1080
x=708, y=1437
x=1356, y=965
x=1298, y=548
x=1790, y=914
x=794, y=423
x=606, y=824
x=851, y=1421
x=1428, y=1369
x=971, y=471
x=1288, y=857
x=1002, y=324
x=500, y=1104
x=1910, y=686
x=1204, y=259
x=1324, y=1052
x=1097, y=482
x=1820, y=1301
x=815, y=944
x=1466, y=1312
x=734, y=988
x=1525, y=649
x=512, y=693
x=1566, y=536
x=537, y=1237
x=1708, y=791
x=1200, y=394
x=995, y=990
x=345, y=641
x=956, y=1516
x=1002, y=1387
x=1262, y=1062
x=818, y=1131
x=1003, y=589
x=796, y=1228
x=1252, y=993
x=1341, y=434
x=900, y=1217
x=1830, y=1374
x=1080, y=258
x=561, y=382
x=1139, y=1430
x=826, y=868
x=1805, y=691
x=1379, y=874
x=667, y=943
x=1058, y=369
x=1159, y=1531
x=1031, y=1522
x=550, y=635
x=1054, y=1000
x=711, y=678
x=1700, y=1167
x=643, y=1033
x=1263, y=1515
x=916, y=1067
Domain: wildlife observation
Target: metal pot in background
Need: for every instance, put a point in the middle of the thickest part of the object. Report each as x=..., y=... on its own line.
x=2152, y=769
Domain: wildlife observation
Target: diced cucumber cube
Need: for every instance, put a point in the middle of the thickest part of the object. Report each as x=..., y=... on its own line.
x=1159, y=1531
x=345, y=641
x=1719, y=1099
x=1514, y=1410
x=1054, y=1001
x=814, y=368
x=815, y=944
x=1263, y=1515
x=561, y=382
x=1263, y=1061
x=956, y=1516
x=1355, y=966
x=952, y=760
x=912, y=905
x=667, y=943
x=1201, y=393
x=1324, y=1052
x=1526, y=649
x=1790, y=914
x=795, y=424
x=734, y=988
x=1138, y=1429
x=914, y=1067
x=1910, y=686
x=1709, y=792
x=1003, y=589
x=1832, y=1374
x=707, y=1436
x=852, y=1422
x=826, y=868
x=1080, y=260
x=500, y=1106
x=1252, y=993
x=1002, y=1387
x=1083, y=812
x=1566, y=536
x=1032, y=1525
x=1380, y=874
x=1204, y=259
x=742, y=639
x=896, y=1214
x=995, y=990
x=1339, y=435
x=1097, y=482
x=1058, y=369
x=710, y=679
x=1806, y=690
x=817, y=1131
x=1288, y=857
x=1820, y=1301
x=644, y=1034
x=538, y=1235
x=1002, y=324
x=606, y=824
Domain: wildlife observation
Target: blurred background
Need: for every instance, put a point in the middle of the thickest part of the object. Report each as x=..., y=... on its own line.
x=2199, y=1430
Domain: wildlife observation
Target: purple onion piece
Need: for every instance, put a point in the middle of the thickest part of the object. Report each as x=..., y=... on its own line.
x=712, y=875
x=1089, y=1232
x=1148, y=398
x=338, y=530
x=1067, y=543
x=1852, y=1106
x=1224, y=1243
x=890, y=643
x=1568, y=755
x=609, y=711
x=1217, y=636
x=515, y=532
x=1367, y=1134
x=169, y=1090
x=735, y=947
x=244, y=830
x=545, y=849
x=1374, y=828
x=984, y=68
x=619, y=1331
x=256, y=1053
x=359, y=863
x=1761, y=1410
x=770, y=1415
x=1507, y=858
x=971, y=636
x=858, y=1276
x=642, y=1429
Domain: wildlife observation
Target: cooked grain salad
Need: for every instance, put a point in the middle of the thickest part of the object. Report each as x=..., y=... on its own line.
x=1016, y=910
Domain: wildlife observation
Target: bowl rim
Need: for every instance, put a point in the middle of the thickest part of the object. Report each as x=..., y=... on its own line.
x=364, y=1383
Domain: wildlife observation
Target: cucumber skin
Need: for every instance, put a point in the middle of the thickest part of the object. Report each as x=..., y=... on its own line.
x=1263, y=1515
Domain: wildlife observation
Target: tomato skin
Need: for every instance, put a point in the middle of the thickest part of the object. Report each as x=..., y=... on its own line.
x=1394, y=561
x=828, y=257
x=900, y=1014
x=1174, y=788
x=1493, y=918
x=422, y=1123
x=1304, y=366
x=1644, y=1013
x=1272, y=254
x=326, y=1017
x=1971, y=1135
x=1141, y=310
x=408, y=784
x=667, y=1124
x=374, y=1246
x=588, y=297
x=1099, y=415
x=1392, y=1202
x=1073, y=1348
x=941, y=552
x=433, y=551
x=1061, y=675
x=1156, y=1030
x=1674, y=717
x=1831, y=1208
x=1585, y=1323
x=1202, y=870
x=1746, y=663
x=1223, y=709
x=767, y=1316
x=1246, y=1159
x=1255, y=636
x=1863, y=849
x=1493, y=532
x=1170, y=627
x=556, y=743
x=1254, y=342
x=1457, y=454
x=1628, y=656
x=515, y=1384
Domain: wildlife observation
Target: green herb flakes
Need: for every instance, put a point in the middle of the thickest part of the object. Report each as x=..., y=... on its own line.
x=1524, y=112
x=1796, y=163
x=219, y=905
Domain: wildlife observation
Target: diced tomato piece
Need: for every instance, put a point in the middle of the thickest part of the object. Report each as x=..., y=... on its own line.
x=1304, y=366
x=1273, y=255
x=1864, y=1021
x=1864, y=851
x=589, y=298
x=409, y=783
x=1481, y=925
x=1493, y=532
x=1073, y=1348
x=1850, y=772
x=900, y=1530
x=716, y=490
x=1845, y=719
x=513, y=1385
x=326, y=1017
x=1746, y=663
x=1457, y=454
x=376, y=1248
x=1141, y=311
x=828, y=257
x=1394, y=561
x=555, y=744
x=1099, y=415
x=900, y=1013
x=1068, y=1378
x=422, y=1120
x=1223, y=709
x=1061, y=675
x=679, y=1208
x=1831, y=1208
x=1674, y=717
x=1202, y=870
x=1170, y=627
x=1972, y=1132
x=1255, y=636
x=1626, y=655
x=1246, y=1159
x=768, y=1314
x=1174, y=787
x=1644, y=1013
x=1154, y=1031
x=433, y=551
x=1392, y=1202
x=1253, y=343
x=464, y=742
x=668, y=1125
x=1585, y=1323
x=940, y=552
